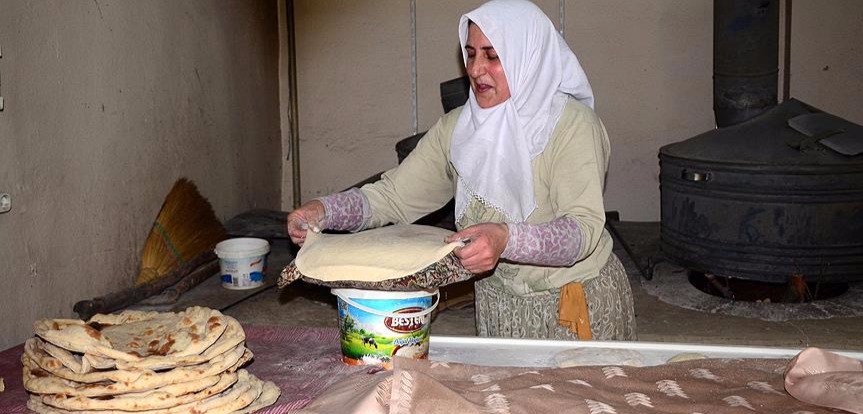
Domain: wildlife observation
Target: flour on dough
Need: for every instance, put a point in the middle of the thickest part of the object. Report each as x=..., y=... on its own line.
x=579, y=357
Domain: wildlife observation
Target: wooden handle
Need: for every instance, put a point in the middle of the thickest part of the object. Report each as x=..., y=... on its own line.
x=117, y=300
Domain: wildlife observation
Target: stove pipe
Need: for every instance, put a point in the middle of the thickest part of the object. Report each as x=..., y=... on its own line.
x=745, y=59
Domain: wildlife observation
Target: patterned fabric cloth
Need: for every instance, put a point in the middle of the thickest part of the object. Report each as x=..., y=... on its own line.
x=344, y=211
x=609, y=302
x=553, y=243
x=826, y=379
x=718, y=386
x=441, y=273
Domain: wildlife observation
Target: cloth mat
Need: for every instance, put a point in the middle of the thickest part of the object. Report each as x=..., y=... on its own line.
x=699, y=386
x=306, y=365
x=301, y=361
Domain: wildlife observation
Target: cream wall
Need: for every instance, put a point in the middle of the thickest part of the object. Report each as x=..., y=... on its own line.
x=651, y=68
x=106, y=104
x=353, y=89
x=827, y=56
x=650, y=64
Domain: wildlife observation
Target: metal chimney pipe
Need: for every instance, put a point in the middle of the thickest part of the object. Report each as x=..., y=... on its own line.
x=293, y=116
x=745, y=59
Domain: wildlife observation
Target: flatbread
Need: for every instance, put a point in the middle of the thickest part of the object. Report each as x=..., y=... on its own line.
x=144, y=362
x=269, y=394
x=86, y=363
x=247, y=389
x=37, y=351
x=92, y=362
x=39, y=380
x=140, y=379
x=373, y=255
x=238, y=400
x=78, y=363
x=73, y=335
x=233, y=336
x=162, y=333
x=246, y=395
x=134, y=335
x=161, y=398
x=124, y=317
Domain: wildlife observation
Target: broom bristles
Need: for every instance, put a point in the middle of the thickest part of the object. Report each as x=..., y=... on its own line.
x=185, y=227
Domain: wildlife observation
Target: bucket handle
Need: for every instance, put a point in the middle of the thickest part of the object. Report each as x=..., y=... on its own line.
x=364, y=308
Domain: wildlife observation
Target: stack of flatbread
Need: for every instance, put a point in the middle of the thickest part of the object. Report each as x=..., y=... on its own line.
x=143, y=362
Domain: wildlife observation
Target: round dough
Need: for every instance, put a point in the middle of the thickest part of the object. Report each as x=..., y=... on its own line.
x=373, y=255
x=579, y=357
x=686, y=356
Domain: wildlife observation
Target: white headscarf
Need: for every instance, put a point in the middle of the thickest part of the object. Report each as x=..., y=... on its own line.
x=492, y=148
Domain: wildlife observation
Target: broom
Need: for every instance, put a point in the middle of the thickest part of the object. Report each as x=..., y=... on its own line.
x=185, y=227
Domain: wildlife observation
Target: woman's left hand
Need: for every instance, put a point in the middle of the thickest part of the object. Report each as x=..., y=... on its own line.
x=485, y=243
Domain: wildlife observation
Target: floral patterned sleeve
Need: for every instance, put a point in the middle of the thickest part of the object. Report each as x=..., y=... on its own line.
x=345, y=211
x=555, y=243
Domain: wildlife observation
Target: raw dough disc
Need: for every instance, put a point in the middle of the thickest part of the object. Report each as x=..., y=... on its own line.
x=578, y=357
x=373, y=255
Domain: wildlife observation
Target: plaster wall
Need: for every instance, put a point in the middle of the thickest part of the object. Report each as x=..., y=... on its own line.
x=353, y=89
x=107, y=103
x=827, y=56
x=650, y=64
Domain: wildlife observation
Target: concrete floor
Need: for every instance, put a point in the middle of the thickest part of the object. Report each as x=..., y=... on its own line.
x=658, y=321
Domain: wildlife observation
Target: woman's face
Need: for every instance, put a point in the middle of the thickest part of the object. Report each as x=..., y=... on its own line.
x=484, y=69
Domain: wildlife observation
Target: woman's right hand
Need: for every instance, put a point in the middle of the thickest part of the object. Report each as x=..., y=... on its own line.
x=309, y=216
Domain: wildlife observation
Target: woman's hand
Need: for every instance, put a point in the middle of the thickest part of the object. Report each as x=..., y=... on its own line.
x=485, y=243
x=309, y=216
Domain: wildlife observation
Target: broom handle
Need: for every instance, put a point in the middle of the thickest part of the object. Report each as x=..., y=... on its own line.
x=114, y=301
x=172, y=294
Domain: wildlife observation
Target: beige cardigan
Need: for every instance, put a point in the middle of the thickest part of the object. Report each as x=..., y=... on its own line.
x=568, y=176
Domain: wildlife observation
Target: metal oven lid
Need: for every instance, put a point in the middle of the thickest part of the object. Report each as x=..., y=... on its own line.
x=792, y=134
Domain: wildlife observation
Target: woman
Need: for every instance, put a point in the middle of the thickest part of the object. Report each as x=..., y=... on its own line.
x=526, y=159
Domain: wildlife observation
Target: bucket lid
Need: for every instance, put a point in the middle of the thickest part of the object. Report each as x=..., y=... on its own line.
x=242, y=247
x=381, y=294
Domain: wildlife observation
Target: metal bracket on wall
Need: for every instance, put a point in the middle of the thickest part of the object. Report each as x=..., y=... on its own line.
x=1, y=89
x=5, y=203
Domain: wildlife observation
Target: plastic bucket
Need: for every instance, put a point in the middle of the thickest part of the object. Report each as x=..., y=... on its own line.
x=243, y=262
x=378, y=325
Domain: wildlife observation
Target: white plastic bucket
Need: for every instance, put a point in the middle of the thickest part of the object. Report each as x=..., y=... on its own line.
x=243, y=262
x=378, y=325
